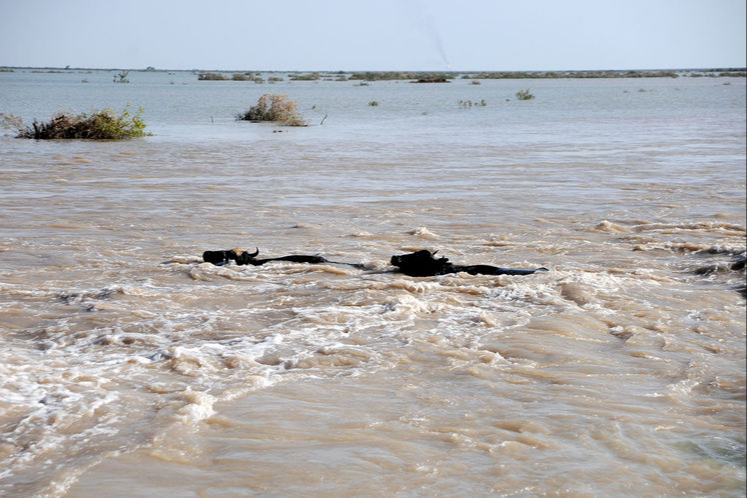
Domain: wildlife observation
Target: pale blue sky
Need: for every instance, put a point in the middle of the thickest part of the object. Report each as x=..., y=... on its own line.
x=463, y=35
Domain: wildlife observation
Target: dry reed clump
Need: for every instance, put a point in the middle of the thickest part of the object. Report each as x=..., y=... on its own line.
x=100, y=125
x=276, y=108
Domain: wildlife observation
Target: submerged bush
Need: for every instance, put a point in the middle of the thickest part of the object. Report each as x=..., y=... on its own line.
x=121, y=77
x=100, y=125
x=274, y=107
x=247, y=77
x=212, y=77
x=431, y=79
x=524, y=95
x=467, y=104
x=420, y=77
x=305, y=77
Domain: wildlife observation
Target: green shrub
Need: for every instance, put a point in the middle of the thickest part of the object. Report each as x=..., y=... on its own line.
x=276, y=108
x=100, y=125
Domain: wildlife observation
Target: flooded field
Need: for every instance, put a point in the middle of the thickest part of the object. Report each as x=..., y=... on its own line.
x=129, y=367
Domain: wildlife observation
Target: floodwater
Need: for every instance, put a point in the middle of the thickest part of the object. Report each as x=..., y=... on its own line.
x=130, y=368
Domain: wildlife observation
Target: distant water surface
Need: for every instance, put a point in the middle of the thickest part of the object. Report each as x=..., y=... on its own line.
x=128, y=367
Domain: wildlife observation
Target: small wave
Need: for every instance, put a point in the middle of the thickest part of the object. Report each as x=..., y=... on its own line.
x=199, y=406
x=609, y=227
x=718, y=227
x=407, y=305
x=207, y=271
x=184, y=259
x=503, y=240
x=331, y=269
x=408, y=284
x=336, y=355
x=423, y=233
x=78, y=297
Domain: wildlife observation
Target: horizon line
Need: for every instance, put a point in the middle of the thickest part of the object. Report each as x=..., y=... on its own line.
x=340, y=71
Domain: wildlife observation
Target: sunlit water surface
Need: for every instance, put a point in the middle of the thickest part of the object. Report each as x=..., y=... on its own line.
x=130, y=368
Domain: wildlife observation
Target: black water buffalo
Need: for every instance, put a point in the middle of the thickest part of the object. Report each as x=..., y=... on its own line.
x=424, y=264
x=241, y=257
x=416, y=264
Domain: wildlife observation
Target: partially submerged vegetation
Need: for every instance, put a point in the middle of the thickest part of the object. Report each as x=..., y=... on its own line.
x=519, y=75
x=99, y=125
x=467, y=104
x=305, y=77
x=394, y=75
x=218, y=75
x=524, y=95
x=431, y=79
x=247, y=77
x=121, y=77
x=212, y=77
x=275, y=108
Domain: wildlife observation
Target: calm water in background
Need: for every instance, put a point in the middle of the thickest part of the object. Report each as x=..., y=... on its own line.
x=130, y=368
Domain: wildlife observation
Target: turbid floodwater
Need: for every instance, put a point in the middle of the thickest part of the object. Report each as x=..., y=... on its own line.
x=129, y=367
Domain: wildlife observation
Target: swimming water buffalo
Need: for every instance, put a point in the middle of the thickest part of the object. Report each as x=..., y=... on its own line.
x=416, y=264
x=241, y=257
x=424, y=264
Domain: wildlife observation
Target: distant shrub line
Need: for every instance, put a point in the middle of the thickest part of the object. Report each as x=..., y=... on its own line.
x=519, y=75
x=733, y=72
x=394, y=75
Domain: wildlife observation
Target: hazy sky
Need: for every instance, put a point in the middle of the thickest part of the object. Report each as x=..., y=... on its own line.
x=349, y=35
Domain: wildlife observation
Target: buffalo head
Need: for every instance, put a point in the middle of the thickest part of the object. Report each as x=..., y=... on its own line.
x=421, y=264
x=220, y=258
